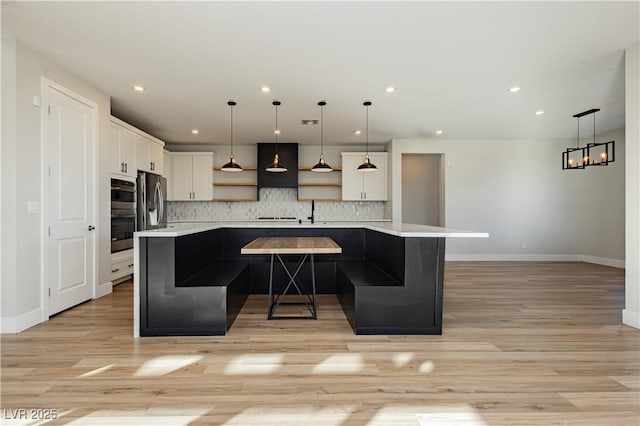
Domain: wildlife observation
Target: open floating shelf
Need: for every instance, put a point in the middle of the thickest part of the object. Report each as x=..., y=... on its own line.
x=334, y=184
x=235, y=184
x=234, y=199
x=320, y=199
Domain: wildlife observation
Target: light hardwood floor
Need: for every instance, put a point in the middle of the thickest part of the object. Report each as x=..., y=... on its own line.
x=523, y=344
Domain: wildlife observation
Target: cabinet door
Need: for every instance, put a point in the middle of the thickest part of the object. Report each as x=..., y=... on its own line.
x=155, y=157
x=202, y=177
x=116, y=164
x=375, y=183
x=351, y=177
x=182, y=177
x=143, y=161
x=167, y=172
x=127, y=142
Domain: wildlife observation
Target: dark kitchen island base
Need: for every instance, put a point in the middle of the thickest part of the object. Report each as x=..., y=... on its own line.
x=196, y=284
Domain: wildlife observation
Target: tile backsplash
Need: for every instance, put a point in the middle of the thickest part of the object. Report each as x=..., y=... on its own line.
x=275, y=202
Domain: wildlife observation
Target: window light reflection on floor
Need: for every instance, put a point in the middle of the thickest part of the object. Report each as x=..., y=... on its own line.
x=291, y=416
x=427, y=415
x=159, y=366
x=96, y=371
x=340, y=364
x=254, y=364
x=402, y=358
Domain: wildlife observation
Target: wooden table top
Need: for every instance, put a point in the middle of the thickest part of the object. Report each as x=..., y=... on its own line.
x=291, y=245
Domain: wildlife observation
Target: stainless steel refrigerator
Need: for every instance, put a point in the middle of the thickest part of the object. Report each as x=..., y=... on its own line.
x=152, y=202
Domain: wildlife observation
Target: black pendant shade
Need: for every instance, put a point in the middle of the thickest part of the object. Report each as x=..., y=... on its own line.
x=367, y=165
x=231, y=166
x=276, y=166
x=322, y=166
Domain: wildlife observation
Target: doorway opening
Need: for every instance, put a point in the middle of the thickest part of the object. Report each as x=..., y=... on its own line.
x=423, y=189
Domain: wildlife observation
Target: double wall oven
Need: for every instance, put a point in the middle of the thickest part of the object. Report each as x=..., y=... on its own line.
x=123, y=214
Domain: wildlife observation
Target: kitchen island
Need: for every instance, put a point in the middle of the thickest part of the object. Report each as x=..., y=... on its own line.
x=190, y=278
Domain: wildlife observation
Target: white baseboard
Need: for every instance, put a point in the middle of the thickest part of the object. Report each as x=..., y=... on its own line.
x=631, y=318
x=513, y=257
x=21, y=322
x=614, y=263
x=104, y=289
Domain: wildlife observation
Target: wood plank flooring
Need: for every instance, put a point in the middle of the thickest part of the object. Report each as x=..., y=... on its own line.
x=523, y=344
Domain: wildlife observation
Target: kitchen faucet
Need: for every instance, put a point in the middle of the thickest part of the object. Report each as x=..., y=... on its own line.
x=313, y=208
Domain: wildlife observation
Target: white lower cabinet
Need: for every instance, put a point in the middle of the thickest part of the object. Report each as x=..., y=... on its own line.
x=364, y=186
x=121, y=265
x=192, y=176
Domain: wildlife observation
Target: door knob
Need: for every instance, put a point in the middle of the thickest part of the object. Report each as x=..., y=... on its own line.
x=91, y=228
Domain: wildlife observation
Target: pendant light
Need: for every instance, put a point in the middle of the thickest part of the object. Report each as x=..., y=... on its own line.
x=231, y=166
x=276, y=166
x=367, y=166
x=321, y=166
x=593, y=154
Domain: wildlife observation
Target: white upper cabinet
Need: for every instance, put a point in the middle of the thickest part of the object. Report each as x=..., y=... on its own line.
x=133, y=150
x=192, y=176
x=122, y=157
x=148, y=154
x=167, y=172
x=364, y=186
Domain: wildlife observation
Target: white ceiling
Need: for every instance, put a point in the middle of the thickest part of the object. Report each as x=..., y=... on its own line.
x=452, y=62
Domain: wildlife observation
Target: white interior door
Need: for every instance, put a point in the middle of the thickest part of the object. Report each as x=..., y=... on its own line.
x=70, y=138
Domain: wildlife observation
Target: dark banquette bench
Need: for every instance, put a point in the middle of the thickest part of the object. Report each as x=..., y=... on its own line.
x=196, y=284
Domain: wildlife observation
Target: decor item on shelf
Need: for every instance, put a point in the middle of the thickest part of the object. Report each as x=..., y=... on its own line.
x=276, y=166
x=322, y=166
x=231, y=166
x=593, y=154
x=367, y=166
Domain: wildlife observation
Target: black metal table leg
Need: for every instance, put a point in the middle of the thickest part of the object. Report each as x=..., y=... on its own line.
x=309, y=302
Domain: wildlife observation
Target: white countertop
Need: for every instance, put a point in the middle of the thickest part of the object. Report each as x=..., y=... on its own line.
x=398, y=229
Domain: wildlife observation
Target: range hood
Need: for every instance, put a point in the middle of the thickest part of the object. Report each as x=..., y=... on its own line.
x=288, y=153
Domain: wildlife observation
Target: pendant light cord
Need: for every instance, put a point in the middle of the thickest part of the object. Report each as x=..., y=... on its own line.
x=367, y=134
x=277, y=131
x=578, y=137
x=594, y=127
x=232, y=130
x=321, y=129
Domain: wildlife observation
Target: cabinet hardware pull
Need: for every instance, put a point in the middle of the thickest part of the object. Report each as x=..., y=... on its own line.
x=91, y=227
x=114, y=270
x=130, y=265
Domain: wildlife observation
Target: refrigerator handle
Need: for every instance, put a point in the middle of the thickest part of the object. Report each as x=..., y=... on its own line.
x=142, y=210
x=161, y=204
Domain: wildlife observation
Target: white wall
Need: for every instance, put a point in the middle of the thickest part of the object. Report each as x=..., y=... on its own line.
x=517, y=192
x=602, y=207
x=23, y=183
x=8, y=228
x=631, y=313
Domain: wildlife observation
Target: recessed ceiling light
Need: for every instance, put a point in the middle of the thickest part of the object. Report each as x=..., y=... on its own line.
x=439, y=132
x=265, y=89
x=195, y=131
x=357, y=132
x=515, y=89
x=540, y=112
x=390, y=89
x=277, y=131
x=138, y=88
